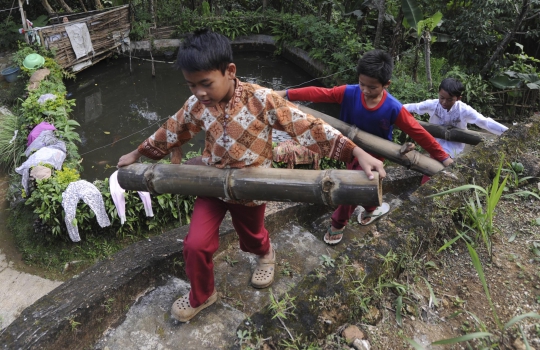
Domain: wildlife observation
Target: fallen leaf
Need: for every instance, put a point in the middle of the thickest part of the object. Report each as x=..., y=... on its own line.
x=107, y=132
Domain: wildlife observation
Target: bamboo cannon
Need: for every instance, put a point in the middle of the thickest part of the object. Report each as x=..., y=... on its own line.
x=449, y=133
x=329, y=187
x=413, y=160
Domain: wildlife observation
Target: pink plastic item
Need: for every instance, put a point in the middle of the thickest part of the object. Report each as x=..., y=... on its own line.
x=37, y=130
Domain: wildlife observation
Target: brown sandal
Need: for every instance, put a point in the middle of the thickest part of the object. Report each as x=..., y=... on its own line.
x=263, y=276
x=182, y=310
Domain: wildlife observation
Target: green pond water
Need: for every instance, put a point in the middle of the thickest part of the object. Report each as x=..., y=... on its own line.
x=118, y=110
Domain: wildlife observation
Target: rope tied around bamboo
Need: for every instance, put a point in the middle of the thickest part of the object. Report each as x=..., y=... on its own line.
x=329, y=187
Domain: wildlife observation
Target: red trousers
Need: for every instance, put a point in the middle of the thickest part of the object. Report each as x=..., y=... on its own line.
x=343, y=213
x=202, y=240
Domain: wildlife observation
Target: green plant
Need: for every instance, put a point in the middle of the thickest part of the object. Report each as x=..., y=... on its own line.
x=327, y=260
x=11, y=146
x=74, y=324
x=282, y=308
x=286, y=269
x=243, y=336
x=515, y=169
x=108, y=304
x=482, y=218
x=230, y=261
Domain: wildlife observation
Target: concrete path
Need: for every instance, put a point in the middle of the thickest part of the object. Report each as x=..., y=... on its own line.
x=148, y=324
x=18, y=290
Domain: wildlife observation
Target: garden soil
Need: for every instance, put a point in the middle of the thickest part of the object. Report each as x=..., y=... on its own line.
x=461, y=305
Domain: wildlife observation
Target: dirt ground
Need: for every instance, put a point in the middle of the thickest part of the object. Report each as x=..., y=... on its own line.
x=461, y=306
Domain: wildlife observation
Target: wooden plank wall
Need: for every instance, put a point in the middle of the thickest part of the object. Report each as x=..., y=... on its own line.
x=107, y=30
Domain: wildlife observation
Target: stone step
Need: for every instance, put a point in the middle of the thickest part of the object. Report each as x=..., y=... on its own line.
x=148, y=324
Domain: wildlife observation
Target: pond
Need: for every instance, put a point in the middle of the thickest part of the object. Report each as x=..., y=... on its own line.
x=118, y=110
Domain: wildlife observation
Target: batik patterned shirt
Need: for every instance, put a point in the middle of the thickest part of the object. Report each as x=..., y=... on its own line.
x=240, y=135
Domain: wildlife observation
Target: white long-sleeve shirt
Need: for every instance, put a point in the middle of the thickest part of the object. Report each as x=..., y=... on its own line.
x=458, y=116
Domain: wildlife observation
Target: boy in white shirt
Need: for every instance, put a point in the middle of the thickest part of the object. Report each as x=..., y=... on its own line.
x=450, y=110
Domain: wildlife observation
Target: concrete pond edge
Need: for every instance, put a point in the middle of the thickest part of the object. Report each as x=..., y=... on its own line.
x=75, y=314
x=249, y=43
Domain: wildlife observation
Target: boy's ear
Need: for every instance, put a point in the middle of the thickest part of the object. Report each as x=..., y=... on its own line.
x=231, y=71
x=385, y=86
x=459, y=98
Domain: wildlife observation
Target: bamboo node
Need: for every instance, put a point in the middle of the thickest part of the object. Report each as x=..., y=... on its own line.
x=327, y=184
x=149, y=179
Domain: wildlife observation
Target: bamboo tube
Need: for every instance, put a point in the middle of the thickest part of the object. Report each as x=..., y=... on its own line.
x=449, y=133
x=413, y=160
x=330, y=187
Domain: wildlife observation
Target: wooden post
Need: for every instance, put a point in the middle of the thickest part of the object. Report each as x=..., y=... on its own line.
x=330, y=187
x=23, y=18
x=376, y=145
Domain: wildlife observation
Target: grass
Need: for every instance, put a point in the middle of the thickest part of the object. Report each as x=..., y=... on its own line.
x=56, y=257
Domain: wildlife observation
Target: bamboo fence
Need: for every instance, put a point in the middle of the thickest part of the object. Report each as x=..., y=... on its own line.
x=107, y=32
x=519, y=102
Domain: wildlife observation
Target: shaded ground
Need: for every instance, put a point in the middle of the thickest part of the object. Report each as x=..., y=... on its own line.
x=461, y=304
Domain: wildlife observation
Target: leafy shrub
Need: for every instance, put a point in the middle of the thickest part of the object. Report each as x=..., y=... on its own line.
x=335, y=45
x=11, y=147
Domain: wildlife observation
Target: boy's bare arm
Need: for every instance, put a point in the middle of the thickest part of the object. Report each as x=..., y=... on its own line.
x=281, y=93
x=369, y=163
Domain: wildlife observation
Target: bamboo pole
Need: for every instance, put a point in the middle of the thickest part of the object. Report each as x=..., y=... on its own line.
x=450, y=133
x=23, y=18
x=329, y=187
x=413, y=160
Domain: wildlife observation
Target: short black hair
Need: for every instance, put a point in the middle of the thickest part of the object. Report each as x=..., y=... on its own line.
x=376, y=64
x=204, y=51
x=452, y=86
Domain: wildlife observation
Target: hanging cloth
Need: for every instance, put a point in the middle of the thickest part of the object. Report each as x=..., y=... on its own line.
x=117, y=195
x=80, y=39
x=89, y=193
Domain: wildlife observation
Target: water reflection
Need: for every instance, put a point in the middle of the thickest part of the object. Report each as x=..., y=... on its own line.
x=118, y=110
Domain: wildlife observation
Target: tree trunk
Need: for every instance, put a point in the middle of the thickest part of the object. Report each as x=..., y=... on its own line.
x=381, y=7
x=265, y=3
x=65, y=6
x=427, y=57
x=98, y=4
x=329, y=13
x=415, y=63
x=47, y=7
x=329, y=187
x=82, y=5
x=500, y=48
x=377, y=145
x=396, y=37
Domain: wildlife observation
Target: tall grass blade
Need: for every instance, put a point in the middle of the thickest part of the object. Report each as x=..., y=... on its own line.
x=458, y=189
x=519, y=318
x=399, y=305
x=480, y=271
x=521, y=193
x=525, y=341
x=432, y=298
x=466, y=337
x=414, y=344
x=448, y=244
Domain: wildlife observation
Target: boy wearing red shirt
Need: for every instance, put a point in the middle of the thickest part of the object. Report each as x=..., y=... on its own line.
x=372, y=109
